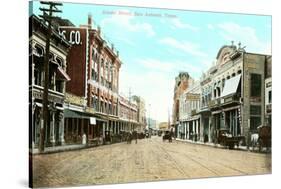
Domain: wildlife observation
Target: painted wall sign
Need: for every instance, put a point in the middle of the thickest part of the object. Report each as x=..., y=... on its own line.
x=73, y=36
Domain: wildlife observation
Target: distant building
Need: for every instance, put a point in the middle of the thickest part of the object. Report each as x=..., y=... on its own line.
x=189, y=127
x=141, y=112
x=151, y=123
x=163, y=126
x=182, y=82
x=128, y=114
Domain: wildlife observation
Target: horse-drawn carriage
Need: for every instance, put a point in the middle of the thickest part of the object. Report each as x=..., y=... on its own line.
x=262, y=138
x=167, y=136
x=226, y=139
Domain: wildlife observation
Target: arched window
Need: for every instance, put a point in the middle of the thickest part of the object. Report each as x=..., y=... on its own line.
x=60, y=61
x=39, y=51
x=218, y=92
x=223, y=82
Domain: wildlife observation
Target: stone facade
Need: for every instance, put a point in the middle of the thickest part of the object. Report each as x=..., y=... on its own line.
x=54, y=132
x=234, y=94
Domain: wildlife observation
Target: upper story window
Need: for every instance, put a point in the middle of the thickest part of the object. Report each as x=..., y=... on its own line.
x=60, y=61
x=39, y=51
x=269, y=97
x=256, y=85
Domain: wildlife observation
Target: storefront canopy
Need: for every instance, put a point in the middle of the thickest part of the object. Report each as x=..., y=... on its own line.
x=231, y=86
x=75, y=114
x=82, y=115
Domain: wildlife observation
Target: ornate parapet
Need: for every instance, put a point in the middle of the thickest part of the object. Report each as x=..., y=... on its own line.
x=73, y=99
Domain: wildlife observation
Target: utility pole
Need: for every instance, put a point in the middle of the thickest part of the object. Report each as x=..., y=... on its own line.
x=47, y=16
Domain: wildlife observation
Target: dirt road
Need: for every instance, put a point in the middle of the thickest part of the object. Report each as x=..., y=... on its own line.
x=148, y=160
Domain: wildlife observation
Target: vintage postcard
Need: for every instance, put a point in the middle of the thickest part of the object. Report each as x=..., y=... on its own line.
x=121, y=94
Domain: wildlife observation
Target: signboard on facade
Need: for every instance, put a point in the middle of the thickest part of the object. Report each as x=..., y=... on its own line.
x=92, y=120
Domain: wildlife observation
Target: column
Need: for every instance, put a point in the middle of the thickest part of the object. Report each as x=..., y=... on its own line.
x=103, y=129
x=209, y=133
x=77, y=129
x=235, y=122
x=66, y=128
x=185, y=127
x=52, y=128
x=33, y=77
x=61, y=128
x=193, y=130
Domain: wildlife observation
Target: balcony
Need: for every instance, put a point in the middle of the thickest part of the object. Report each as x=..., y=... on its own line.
x=193, y=112
x=214, y=103
x=53, y=96
x=233, y=99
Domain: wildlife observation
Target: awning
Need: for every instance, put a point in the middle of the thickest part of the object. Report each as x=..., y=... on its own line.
x=75, y=114
x=231, y=86
x=62, y=74
x=82, y=115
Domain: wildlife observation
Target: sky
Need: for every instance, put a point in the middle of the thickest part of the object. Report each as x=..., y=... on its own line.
x=156, y=44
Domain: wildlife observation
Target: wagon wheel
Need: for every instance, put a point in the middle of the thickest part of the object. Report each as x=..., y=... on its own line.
x=230, y=145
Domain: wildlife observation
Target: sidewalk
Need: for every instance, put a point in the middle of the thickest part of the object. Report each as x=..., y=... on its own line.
x=55, y=149
x=211, y=144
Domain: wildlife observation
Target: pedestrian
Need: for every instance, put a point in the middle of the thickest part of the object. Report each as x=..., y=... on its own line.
x=84, y=139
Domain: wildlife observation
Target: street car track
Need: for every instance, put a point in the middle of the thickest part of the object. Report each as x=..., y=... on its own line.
x=175, y=163
x=163, y=149
x=207, y=164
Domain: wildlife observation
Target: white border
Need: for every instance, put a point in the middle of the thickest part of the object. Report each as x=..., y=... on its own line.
x=14, y=91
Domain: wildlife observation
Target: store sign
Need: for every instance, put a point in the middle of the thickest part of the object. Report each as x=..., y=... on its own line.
x=74, y=37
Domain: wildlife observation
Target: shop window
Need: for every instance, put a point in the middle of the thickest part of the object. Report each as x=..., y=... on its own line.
x=255, y=85
x=255, y=117
x=269, y=97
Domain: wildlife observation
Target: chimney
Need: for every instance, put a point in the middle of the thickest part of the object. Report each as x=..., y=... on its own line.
x=90, y=21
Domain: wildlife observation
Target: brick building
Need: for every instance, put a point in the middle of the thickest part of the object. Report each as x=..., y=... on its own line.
x=128, y=114
x=92, y=94
x=182, y=82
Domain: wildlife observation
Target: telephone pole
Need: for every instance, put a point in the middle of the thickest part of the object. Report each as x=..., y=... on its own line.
x=47, y=16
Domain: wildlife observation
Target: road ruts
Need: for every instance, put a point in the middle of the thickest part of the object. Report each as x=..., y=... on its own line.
x=148, y=160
